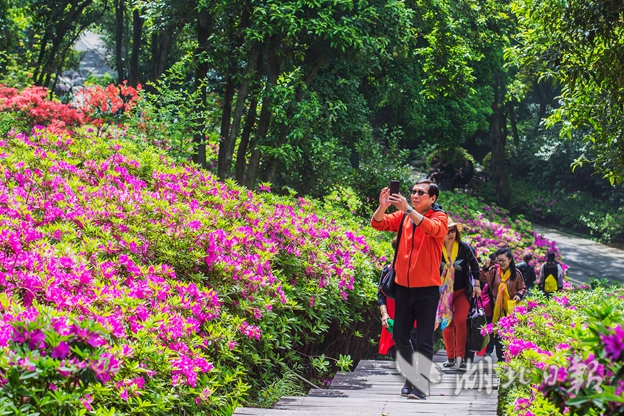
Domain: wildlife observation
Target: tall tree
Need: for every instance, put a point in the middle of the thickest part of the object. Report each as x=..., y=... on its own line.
x=137, y=39
x=205, y=21
x=489, y=32
x=578, y=44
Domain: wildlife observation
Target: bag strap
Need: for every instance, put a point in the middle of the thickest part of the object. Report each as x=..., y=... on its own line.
x=398, y=240
x=475, y=302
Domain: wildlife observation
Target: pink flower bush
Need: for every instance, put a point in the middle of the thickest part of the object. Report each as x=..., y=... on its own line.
x=156, y=269
x=573, y=361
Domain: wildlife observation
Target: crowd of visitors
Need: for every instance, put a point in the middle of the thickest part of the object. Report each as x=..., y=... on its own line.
x=437, y=281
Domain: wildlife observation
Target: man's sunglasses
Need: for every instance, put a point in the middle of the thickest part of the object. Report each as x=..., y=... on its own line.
x=420, y=192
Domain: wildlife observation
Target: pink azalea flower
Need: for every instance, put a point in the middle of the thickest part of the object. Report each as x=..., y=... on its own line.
x=614, y=343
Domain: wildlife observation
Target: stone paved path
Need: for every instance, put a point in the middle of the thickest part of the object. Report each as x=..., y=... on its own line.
x=586, y=258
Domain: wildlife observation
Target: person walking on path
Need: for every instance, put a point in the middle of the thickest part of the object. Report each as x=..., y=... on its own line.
x=456, y=294
x=551, y=275
x=506, y=286
x=528, y=272
x=417, y=272
x=386, y=310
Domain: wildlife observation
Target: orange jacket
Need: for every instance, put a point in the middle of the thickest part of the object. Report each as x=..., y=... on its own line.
x=420, y=248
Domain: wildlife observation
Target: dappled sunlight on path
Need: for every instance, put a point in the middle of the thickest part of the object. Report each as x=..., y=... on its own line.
x=586, y=258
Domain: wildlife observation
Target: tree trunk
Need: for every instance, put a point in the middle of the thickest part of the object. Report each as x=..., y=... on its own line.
x=137, y=33
x=270, y=169
x=166, y=43
x=250, y=120
x=241, y=155
x=46, y=79
x=512, y=121
x=161, y=46
x=119, y=12
x=228, y=96
x=204, y=29
x=60, y=68
x=226, y=147
x=498, y=140
x=50, y=67
x=38, y=72
x=154, y=49
x=265, y=117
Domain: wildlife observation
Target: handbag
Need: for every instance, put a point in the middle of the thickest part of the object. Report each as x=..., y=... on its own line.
x=387, y=285
x=476, y=320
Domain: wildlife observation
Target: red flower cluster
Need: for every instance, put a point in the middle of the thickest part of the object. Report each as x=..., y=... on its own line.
x=32, y=108
x=104, y=105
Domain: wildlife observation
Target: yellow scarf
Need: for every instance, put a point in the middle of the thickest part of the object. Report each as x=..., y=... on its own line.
x=444, y=314
x=454, y=251
x=501, y=306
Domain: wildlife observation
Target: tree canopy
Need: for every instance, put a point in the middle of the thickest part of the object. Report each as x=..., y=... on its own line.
x=578, y=44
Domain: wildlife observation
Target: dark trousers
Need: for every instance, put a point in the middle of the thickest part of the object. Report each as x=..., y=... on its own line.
x=499, y=348
x=418, y=304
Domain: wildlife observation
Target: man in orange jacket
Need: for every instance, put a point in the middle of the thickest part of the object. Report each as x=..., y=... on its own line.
x=417, y=270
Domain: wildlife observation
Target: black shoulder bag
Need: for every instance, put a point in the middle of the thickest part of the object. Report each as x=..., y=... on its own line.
x=476, y=320
x=387, y=285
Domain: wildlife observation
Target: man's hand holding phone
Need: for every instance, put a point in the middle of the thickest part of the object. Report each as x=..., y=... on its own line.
x=395, y=197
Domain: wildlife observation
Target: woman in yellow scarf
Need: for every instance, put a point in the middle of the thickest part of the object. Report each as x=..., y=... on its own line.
x=456, y=293
x=507, y=287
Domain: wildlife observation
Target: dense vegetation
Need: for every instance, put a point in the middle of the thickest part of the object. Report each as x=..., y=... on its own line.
x=131, y=282
x=299, y=93
x=233, y=162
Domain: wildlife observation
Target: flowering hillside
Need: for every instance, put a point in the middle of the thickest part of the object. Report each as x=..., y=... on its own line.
x=127, y=281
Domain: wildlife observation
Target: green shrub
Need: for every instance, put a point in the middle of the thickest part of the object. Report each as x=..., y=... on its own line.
x=572, y=210
x=379, y=165
x=560, y=355
x=456, y=156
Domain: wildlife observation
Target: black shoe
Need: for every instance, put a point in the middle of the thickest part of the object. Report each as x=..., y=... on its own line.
x=462, y=366
x=407, y=387
x=416, y=394
x=449, y=363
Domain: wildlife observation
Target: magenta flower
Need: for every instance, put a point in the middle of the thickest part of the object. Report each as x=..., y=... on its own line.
x=614, y=343
x=517, y=346
x=487, y=329
x=251, y=331
x=521, y=404
x=61, y=350
x=86, y=401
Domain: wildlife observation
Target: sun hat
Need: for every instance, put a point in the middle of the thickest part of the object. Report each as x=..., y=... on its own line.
x=458, y=225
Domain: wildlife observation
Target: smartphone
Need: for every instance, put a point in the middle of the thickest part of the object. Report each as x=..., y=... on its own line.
x=394, y=187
